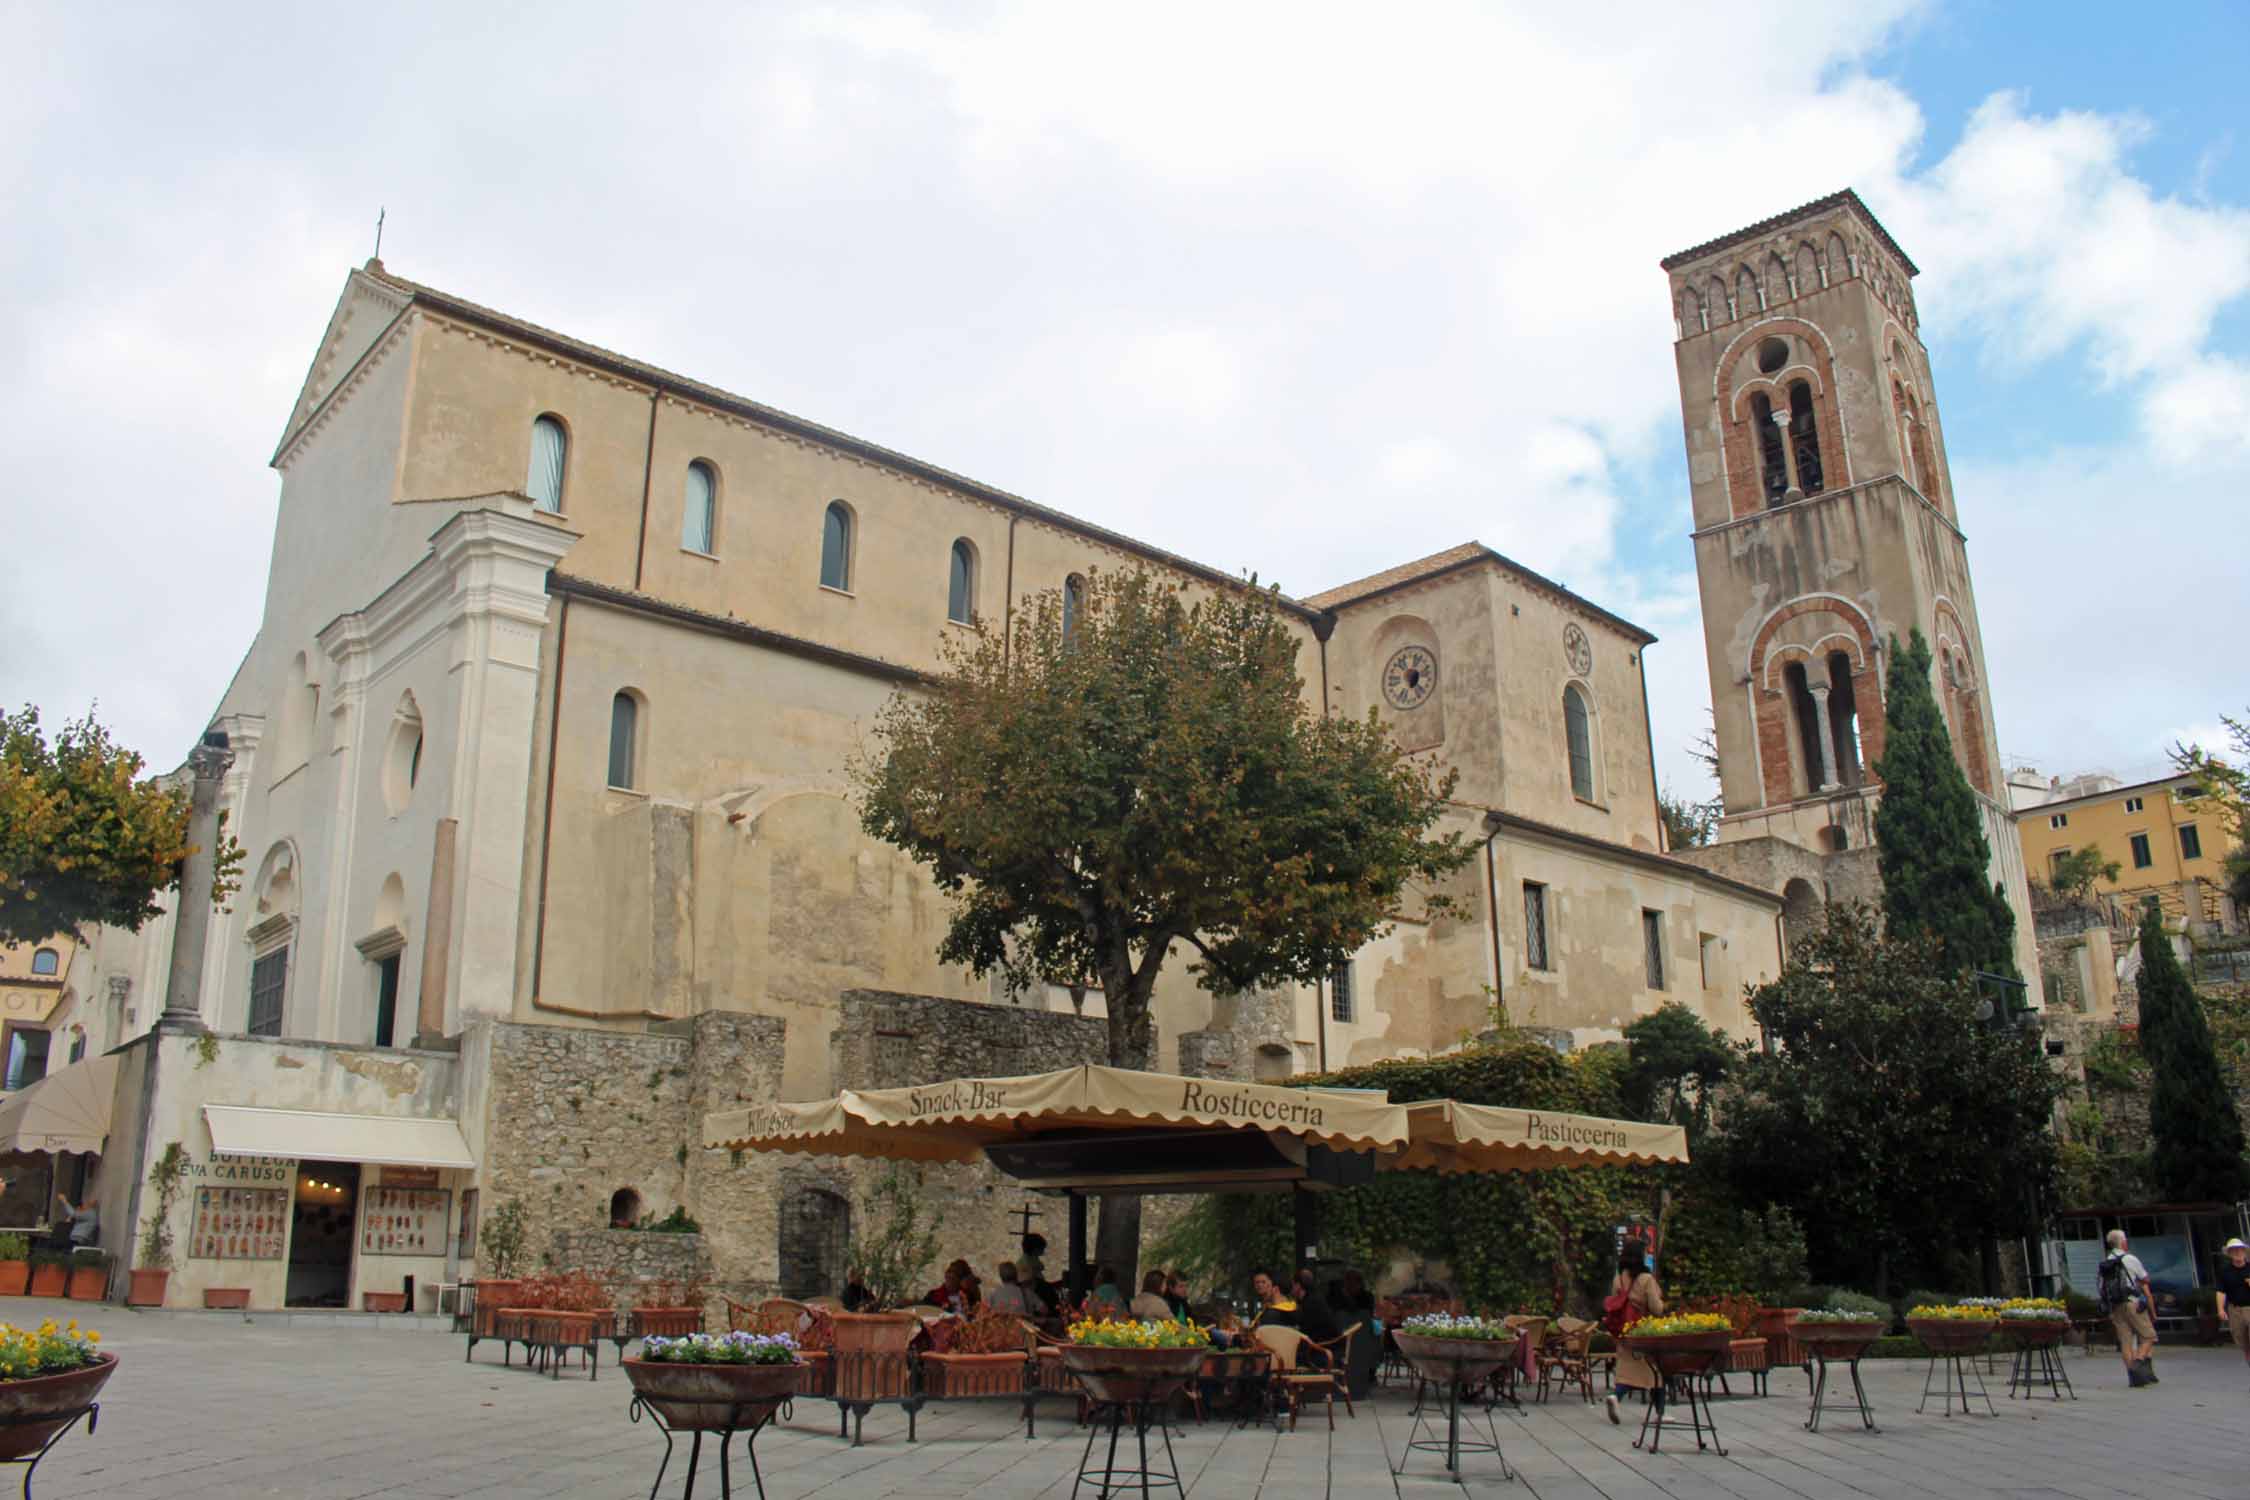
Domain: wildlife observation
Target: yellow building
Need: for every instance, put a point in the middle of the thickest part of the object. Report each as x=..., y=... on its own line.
x=2164, y=846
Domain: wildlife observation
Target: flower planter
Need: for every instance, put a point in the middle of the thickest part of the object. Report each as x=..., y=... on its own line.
x=1465, y=1360
x=1778, y=1327
x=1838, y=1340
x=492, y=1298
x=233, y=1298
x=15, y=1277
x=1672, y=1354
x=1127, y=1375
x=383, y=1302
x=50, y=1281
x=145, y=1288
x=27, y=1405
x=665, y=1322
x=712, y=1398
x=959, y=1375
x=820, y=1372
x=2033, y=1333
x=89, y=1283
x=1953, y=1335
x=871, y=1355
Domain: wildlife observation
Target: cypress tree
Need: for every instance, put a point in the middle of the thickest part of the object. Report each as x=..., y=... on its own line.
x=2194, y=1130
x=1928, y=837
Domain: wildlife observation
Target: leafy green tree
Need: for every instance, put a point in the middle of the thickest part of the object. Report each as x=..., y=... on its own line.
x=1676, y=1066
x=84, y=837
x=2074, y=875
x=1930, y=843
x=897, y=1238
x=1893, y=1123
x=1687, y=825
x=1099, y=784
x=2222, y=787
x=2194, y=1133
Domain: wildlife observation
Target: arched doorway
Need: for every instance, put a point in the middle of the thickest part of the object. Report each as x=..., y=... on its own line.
x=1800, y=911
x=816, y=1228
x=624, y=1208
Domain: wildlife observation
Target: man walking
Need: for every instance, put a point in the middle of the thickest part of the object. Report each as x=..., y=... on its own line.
x=2121, y=1287
x=2234, y=1295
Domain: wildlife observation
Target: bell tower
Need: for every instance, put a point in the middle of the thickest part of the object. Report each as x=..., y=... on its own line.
x=1825, y=524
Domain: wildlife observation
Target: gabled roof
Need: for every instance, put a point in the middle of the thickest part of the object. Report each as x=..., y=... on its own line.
x=1454, y=559
x=1845, y=199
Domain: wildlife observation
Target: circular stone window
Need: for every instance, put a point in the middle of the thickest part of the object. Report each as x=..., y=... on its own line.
x=1772, y=355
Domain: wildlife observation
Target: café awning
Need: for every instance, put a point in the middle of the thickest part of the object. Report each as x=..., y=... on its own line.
x=65, y=1111
x=309, y=1135
x=1446, y=1135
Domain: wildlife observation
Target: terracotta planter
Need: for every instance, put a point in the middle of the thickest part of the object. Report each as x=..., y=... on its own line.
x=665, y=1322
x=2033, y=1333
x=871, y=1355
x=89, y=1283
x=383, y=1302
x=15, y=1277
x=57, y=1396
x=712, y=1397
x=1954, y=1335
x=50, y=1281
x=232, y=1297
x=1124, y=1375
x=1673, y=1354
x=145, y=1288
x=1838, y=1341
x=491, y=1299
x=1464, y=1360
x=820, y=1372
x=958, y=1375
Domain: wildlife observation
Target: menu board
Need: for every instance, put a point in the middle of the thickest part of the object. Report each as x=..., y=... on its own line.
x=239, y=1223
x=403, y=1221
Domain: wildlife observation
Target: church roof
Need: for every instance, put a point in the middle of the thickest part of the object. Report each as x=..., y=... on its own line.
x=1453, y=559
x=1845, y=199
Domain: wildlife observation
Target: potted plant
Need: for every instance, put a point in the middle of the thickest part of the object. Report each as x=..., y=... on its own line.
x=89, y=1274
x=15, y=1264
x=1442, y=1346
x=149, y=1278
x=50, y=1273
x=715, y=1382
x=984, y=1357
x=871, y=1356
x=1955, y=1327
x=2032, y=1322
x=1838, y=1333
x=1681, y=1344
x=49, y=1376
x=665, y=1310
x=233, y=1298
x=1133, y=1361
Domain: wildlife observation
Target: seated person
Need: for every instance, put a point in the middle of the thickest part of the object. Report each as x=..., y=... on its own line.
x=1276, y=1309
x=1357, y=1301
x=956, y=1293
x=1107, y=1294
x=1150, y=1305
x=1314, y=1315
x=856, y=1295
x=1176, y=1293
x=1009, y=1296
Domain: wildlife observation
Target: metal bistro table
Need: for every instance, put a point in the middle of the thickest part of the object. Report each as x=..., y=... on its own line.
x=1453, y=1363
x=1954, y=1344
x=1679, y=1359
x=1833, y=1343
x=2037, y=1345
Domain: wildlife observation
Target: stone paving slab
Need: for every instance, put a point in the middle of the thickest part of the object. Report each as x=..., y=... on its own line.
x=210, y=1408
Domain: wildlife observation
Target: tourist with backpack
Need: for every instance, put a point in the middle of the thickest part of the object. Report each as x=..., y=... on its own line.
x=2121, y=1288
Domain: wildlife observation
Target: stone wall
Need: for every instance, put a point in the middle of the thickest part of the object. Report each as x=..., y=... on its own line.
x=622, y=1257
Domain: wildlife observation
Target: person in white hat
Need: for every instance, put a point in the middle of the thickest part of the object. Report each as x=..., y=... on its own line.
x=2234, y=1294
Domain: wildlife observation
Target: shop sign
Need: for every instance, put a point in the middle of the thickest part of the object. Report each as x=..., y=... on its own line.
x=273, y=1169
x=410, y=1177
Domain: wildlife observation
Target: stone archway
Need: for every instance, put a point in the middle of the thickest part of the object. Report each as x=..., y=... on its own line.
x=816, y=1229
x=1800, y=911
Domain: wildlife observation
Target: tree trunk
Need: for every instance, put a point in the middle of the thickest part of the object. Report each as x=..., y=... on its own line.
x=1132, y=1044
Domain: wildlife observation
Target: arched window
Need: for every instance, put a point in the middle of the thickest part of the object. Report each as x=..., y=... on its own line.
x=550, y=453
x=836, y=548
x=1578, y=730
x=699, y=518
x=1773, y=466
x=624, y=1208
x=961, y=584
x=1715, y=301
x=402, y=755
x=1811, y=748
x=624, y=739
x=46, y=961
x=1074, y=601
x=1804, y=437
x=1746, y=293
x=1843, y=718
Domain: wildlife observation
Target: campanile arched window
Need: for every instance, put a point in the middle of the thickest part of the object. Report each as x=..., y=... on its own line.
x=1804, y=437
x=1578, y=734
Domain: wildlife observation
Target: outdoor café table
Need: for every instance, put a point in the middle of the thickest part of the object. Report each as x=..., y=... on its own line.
x=1237, y=1379
x=1830, y=1343
x=1680, y=1360
x=1452, y=1363
x=1955, y=1343
x=2037, y=1345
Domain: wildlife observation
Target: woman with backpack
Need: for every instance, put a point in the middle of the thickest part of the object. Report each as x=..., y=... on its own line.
x=2121, y=1288
x=1633, y=1295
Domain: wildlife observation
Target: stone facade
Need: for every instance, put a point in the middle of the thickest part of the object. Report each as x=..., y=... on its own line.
x=625, y=1258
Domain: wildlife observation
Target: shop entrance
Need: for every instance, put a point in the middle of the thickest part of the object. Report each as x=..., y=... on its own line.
x=320, y=1238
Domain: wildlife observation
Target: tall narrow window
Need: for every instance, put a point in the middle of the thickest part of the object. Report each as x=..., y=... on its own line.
x=624, y=730
x=1074, y=601
x=550, y=453
x=1773, y=466
x=1843, y=718
x=1804, y=437
x=2191, y=842
x=2142, y=857
x=961, y=584
x=1535, y=926
x=1343, y=1005
x=1797, y=684
x=386, y=999
x=699, y=519
x=836, y=548
x=1652, y=944
x=1579, y=733
x=269, y=976
x=46, y=961
x=77, y=1046
x=27, y=1057
x=1705, y=946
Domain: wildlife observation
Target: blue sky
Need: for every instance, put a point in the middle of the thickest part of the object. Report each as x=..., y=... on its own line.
x=1309, y=288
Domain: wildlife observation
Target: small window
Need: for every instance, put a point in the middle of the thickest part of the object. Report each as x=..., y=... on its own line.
x=2191, y=842
x=699, y=518
x=1579, y=734
x=1342, y=1004
x=386, y=999
x=2059, y=820
x=77, y=1046
x=2132, y=804
x=1074, y=601
x=1706, y=948
x=1652, y=944
x=836, y=548
x=550, y=453
x=27, y=1057
x=2142, y=857
x=624, y=733
x=1535, y=926
x=269, y=975
x=46, y=961
x=961, y=584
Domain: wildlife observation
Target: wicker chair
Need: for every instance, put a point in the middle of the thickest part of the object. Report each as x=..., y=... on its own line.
x=1293, y=1383
x=1566, y=1360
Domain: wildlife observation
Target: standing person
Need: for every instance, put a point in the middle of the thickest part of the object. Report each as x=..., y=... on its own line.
x=81, y=1223
x=1009, y=1296
x=2234, y=1295
x=1633, y=1295
x=2121, y=1287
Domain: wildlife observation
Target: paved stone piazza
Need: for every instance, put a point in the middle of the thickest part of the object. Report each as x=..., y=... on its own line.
x=210, y=1406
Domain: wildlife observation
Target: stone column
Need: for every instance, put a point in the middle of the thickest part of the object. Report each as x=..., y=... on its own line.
x=183, y=1000
x=1796, y=489
x=1819, y=691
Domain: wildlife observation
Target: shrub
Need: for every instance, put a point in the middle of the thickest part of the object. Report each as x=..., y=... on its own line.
x=14, y=1246
x=1858, y=1304
x=87, y=1257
